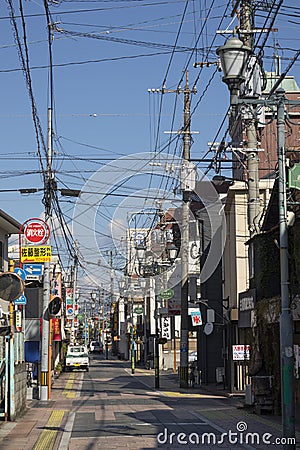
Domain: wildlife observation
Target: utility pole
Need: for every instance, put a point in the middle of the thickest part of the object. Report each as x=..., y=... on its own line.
x=252, y=157
x=184, y=334
x=187, y=185
x=112, y=305
x=74, y=295
x=286, y=320
x=46, y=281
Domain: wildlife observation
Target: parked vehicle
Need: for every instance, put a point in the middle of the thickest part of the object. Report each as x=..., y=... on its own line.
x=77, y=358
x=96, y=347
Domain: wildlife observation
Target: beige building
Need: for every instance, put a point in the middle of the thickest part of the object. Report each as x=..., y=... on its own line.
x=236, y=271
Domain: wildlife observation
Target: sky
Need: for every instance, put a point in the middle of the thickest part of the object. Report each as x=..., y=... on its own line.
x=106, y=56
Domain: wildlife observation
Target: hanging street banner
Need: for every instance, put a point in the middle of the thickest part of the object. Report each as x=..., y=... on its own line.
x=37, y=254
x=56, y=322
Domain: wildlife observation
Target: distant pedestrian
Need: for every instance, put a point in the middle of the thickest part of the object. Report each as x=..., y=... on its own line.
x=192, y=376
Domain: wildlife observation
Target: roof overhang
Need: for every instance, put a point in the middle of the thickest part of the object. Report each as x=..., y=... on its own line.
x=8, y=223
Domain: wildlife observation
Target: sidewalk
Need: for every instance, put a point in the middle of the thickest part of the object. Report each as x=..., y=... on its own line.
x=42, y=424
x=45, y=425
x=235, y=412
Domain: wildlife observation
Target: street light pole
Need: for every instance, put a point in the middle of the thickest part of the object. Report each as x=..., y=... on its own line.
x=132, y=347
x=286, y=321
x=143, y=284
x=252, y=158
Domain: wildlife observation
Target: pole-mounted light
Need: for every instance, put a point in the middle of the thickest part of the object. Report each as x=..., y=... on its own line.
x=140, y=252
x=233, y=56
x=172, y=251
x=122, y=284
x=143, y=282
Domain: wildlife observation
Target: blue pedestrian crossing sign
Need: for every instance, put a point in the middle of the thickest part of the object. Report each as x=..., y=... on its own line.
x=21, y=300
x=20, y=272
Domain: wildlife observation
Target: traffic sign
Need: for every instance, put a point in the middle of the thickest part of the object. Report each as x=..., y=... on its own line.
x=21, y=300
x=33, y=269
x=20, y=272
x=69, y=311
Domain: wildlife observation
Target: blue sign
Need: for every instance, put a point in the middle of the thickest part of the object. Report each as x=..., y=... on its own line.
x=21, y=300
x=33, y=269
x=20, y=272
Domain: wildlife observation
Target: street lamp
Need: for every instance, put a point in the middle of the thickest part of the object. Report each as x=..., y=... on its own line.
x=172, y=251
x=93, y=306
x=140, y=252
x=233, y=56
x=133, y=343
x=121, y=283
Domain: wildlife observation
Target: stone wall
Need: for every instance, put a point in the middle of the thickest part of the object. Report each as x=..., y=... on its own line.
x=20, y=389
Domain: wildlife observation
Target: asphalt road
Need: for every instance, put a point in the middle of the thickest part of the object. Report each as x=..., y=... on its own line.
x=114, y=408
x=111, y=408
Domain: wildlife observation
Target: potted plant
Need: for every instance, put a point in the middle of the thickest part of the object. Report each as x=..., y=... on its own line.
x=57, y=369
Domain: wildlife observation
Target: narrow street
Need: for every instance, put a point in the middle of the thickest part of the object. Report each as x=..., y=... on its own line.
x=109, y=407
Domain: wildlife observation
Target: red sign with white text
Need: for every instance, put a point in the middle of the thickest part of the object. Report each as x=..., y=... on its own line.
x=36, y=232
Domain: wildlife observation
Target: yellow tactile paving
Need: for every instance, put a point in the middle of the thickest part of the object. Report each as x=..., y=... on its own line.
x=182, y=394
x=47, y=437
x=68, y=391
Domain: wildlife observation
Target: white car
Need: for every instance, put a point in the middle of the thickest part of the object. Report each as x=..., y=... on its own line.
x=77, y=358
